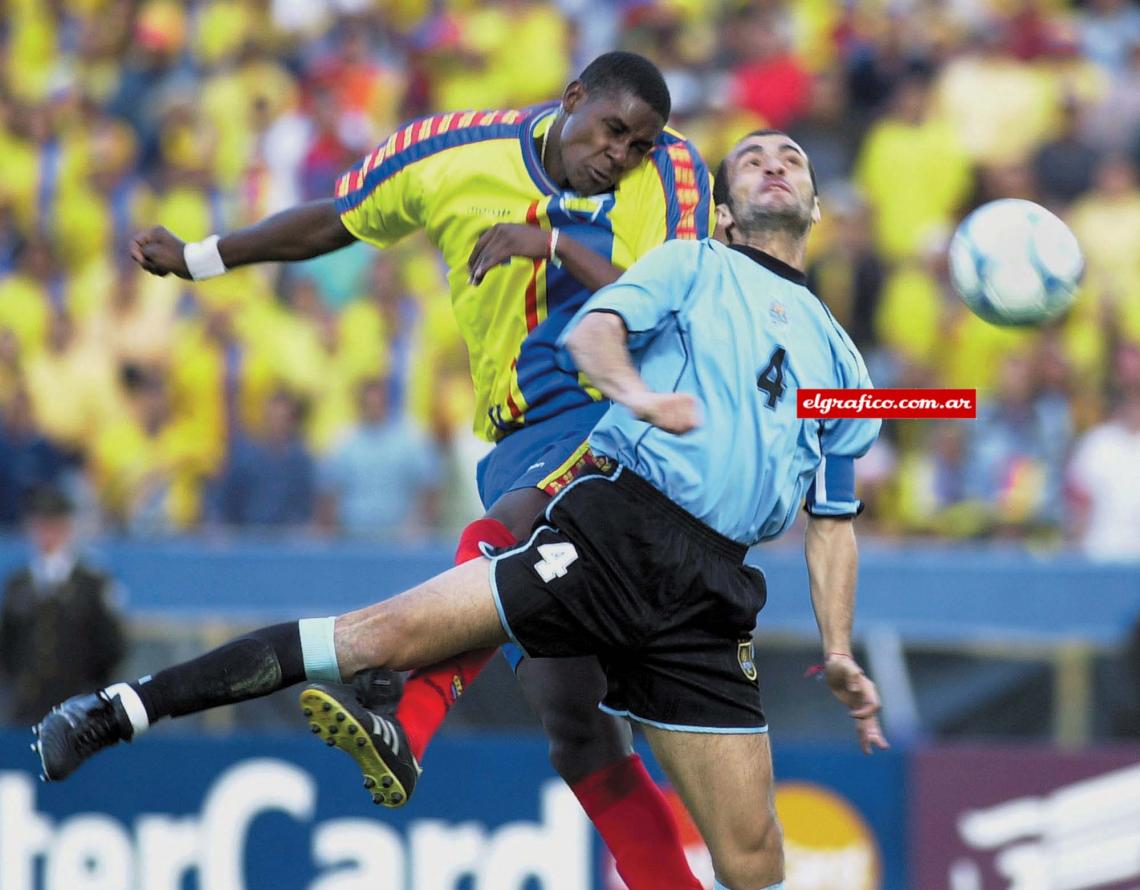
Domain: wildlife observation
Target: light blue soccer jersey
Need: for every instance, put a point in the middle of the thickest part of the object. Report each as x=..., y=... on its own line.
x=739, y=330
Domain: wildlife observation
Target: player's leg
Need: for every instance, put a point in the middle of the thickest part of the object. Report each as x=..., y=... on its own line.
x=431, y=692
x=725, y=781
x=453, y=612
x=590, y=750
x=593, y=752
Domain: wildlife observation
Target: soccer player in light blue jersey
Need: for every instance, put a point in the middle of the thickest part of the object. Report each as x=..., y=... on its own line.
x=702, y=347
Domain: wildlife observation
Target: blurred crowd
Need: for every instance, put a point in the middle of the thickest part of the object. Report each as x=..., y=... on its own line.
x=333, y=397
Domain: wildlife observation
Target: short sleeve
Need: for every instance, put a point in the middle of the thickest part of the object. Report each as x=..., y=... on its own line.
x=380, y=200
x=647, y=294
x=668, y=197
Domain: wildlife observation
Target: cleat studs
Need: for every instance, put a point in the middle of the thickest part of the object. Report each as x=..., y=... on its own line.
x=35, y=747
x=36, y=730
x=352, y=729
x=378, y=798
x=340, y=716
x=369, y=781
x=331, y=742
x=360, y=741
x=333, y=729
x=386, y=781
x=308, y=712
x=43, y=777
x=396, y=797
x=326, y=707
x=316, y=729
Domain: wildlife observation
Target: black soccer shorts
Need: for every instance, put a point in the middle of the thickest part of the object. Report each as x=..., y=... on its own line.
x=618, y=570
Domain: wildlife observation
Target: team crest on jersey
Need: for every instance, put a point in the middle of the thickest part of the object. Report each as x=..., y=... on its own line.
x=744, y=655
x=778, y=313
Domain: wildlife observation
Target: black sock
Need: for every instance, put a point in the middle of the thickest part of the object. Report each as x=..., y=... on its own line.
x=257, y=664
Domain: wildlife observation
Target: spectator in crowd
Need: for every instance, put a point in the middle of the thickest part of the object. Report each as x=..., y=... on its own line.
x=72, y=386
x=28, y=460
x=1064, y=166
x=135, y=325
x=912, y=171
x=25, y=295
x=768, y=80
x=61, y=631
x=385, y=324
x=329, y=152
x=148, y=465
x=999, y=108
x=930, y=494
x=824, y=131
x=268, y=480
x=1106, y=221
x=1104, y=485
x=848, y=275
x=1018, y=450
x=381, y=481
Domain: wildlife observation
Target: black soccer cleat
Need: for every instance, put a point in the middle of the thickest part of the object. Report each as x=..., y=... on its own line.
x=73, y=731
x=377, y=743
x=379, y=690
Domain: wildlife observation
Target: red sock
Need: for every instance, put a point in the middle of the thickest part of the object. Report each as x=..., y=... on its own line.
x=432, y=691
x=636, y=823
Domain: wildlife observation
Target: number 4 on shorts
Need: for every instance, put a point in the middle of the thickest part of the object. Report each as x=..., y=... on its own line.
x=556, y=558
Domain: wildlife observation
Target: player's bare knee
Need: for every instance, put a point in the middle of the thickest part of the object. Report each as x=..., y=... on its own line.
x=751, y=857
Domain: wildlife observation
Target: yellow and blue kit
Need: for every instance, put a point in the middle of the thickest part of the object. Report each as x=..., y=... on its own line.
x=454, y=176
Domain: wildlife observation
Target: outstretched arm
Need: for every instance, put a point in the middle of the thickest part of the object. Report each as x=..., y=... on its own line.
x=598, y=345
x=299, y=233
x=833, y=561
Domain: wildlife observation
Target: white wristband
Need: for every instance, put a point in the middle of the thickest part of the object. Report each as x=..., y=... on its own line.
x=203, y=260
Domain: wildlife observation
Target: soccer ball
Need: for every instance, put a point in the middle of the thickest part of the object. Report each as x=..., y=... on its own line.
x=1015, y=263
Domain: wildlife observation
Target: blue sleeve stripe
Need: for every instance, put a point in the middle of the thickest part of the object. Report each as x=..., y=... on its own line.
x=664, y=166
x=420, y=150
x=840, y=475
x=700, y=168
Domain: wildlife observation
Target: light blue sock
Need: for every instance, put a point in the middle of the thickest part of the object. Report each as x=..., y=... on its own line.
x=318, y=649
x=780, y=886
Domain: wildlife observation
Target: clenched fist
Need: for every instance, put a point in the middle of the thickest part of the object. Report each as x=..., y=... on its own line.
x=159, y=252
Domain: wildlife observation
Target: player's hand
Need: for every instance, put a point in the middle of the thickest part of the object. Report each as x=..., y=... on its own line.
x=159, y=252
x=674, y=412
x=857, y=691
x=503, y=241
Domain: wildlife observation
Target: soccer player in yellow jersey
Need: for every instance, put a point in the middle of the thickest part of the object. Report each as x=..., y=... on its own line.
x=533, y=210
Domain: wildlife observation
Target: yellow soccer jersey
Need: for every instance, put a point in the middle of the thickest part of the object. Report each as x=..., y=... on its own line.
x=454, y=176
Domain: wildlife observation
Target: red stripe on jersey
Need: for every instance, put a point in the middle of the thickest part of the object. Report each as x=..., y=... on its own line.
x=688, y=197
x=512, y=405
x=532, y=285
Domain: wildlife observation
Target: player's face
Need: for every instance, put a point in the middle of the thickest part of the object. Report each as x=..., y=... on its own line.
x=604, y=136
x=770, y=178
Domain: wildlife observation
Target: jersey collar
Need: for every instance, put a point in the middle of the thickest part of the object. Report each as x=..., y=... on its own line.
x=769, y=262
x=539, y=122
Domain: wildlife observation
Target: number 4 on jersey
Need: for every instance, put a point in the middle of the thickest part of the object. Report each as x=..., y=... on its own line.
x=771, y=379
x=556, y=558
